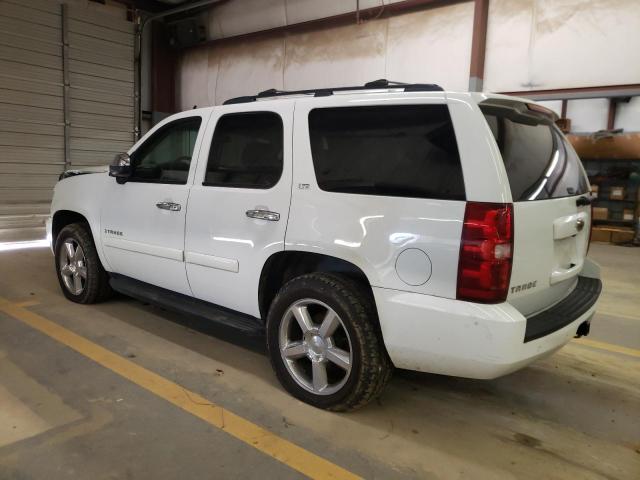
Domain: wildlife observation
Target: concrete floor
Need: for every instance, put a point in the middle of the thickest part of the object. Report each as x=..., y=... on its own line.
x=62, y=415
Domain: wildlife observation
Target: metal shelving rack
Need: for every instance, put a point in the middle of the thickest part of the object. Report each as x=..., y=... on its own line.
x=608, y=173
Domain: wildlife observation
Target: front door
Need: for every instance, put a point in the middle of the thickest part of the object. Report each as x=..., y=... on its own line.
x=239, y=204
x=143, y=219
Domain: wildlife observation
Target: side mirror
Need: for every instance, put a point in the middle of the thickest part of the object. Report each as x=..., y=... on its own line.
x=120, y=167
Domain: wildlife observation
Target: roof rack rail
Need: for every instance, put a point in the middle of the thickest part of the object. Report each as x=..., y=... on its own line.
x=326, y=92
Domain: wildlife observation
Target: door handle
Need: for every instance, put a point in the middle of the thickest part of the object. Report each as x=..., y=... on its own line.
x=172, y=207
x=264, y=215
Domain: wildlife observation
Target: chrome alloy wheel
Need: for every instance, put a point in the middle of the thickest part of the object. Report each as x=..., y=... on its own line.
x=73, y=266
x=315, y=347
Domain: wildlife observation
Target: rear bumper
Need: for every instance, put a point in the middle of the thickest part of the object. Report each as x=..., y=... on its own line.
x=583, y=297
x=464, y=339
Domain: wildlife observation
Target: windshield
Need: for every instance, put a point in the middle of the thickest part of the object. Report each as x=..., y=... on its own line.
x=540, y=162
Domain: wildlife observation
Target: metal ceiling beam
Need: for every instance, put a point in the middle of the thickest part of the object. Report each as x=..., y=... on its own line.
x=180, y=9
x=151, y=6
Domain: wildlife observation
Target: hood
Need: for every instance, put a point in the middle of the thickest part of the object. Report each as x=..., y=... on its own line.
x=84, y=171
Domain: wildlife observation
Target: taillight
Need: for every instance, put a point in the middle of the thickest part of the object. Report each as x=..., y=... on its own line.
x=486, y=250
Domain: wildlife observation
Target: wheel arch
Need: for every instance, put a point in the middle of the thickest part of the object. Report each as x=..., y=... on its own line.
x=282, y=266
x=63, y=217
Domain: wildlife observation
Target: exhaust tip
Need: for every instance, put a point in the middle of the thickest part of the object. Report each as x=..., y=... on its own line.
x=583, y=329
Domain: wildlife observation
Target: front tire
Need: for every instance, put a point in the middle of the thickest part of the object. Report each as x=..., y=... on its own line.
x=80, y=273
x=323, y=342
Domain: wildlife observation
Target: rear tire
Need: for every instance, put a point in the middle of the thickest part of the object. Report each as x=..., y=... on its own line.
x=324, y=343
x=80, y=273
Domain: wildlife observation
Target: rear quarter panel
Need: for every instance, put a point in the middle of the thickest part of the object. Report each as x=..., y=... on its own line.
x=372, y=231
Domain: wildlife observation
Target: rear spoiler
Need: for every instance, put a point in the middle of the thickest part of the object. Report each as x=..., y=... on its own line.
x=518, y=111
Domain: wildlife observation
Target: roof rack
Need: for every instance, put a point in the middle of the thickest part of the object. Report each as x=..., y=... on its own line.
x=326, y=92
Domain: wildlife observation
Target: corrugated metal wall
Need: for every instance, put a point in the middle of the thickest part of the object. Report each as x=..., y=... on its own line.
x=431, y=46
x=32, y=118
x=101, y=81
x=31, y=109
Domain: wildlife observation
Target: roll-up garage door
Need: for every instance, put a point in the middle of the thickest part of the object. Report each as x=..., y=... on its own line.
x=39, y=137
x=101, y=86
x=31, y=109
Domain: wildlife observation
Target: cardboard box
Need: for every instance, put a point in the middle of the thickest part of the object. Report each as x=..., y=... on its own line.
x=594, y=191
x=627, y=214
x=600, y=235
x=600, y=213
x=621, y=236
x=617, y=193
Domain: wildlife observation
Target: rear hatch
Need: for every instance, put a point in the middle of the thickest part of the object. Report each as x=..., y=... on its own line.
x=550, y=190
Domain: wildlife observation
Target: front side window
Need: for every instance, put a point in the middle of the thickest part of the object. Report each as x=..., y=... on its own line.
x=246, y=151
x=540, y=162
x=166, y=156
x=396, y=150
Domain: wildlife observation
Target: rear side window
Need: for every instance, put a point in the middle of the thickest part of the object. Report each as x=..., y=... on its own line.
x=246, y=151
x=400, y=151
x=539, y=161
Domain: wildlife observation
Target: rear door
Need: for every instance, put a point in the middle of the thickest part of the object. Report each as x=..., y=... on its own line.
x=239, y=204
x=550, y=194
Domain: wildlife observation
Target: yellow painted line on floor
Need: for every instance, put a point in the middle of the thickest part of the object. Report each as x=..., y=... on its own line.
x=27, y=303
x=610, y=347
x=257, y=437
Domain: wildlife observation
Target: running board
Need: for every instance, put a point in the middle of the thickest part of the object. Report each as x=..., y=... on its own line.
x=180, y=303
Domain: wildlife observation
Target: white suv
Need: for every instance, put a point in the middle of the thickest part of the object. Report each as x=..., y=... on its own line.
x=362, y=228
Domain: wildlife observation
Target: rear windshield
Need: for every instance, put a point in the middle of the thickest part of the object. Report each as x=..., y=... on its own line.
x=540, y=162
x=401, y=151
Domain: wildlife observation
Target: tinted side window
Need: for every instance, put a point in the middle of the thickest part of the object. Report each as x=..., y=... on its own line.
x=246, y=151
x=405, y=151
x=166, y=156
x=539, y=161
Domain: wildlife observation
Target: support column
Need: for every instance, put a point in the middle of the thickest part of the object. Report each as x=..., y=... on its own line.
x=164, y=65
x=478, y=45
x=611, y=117
x=137, y=78
x=65, y=84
